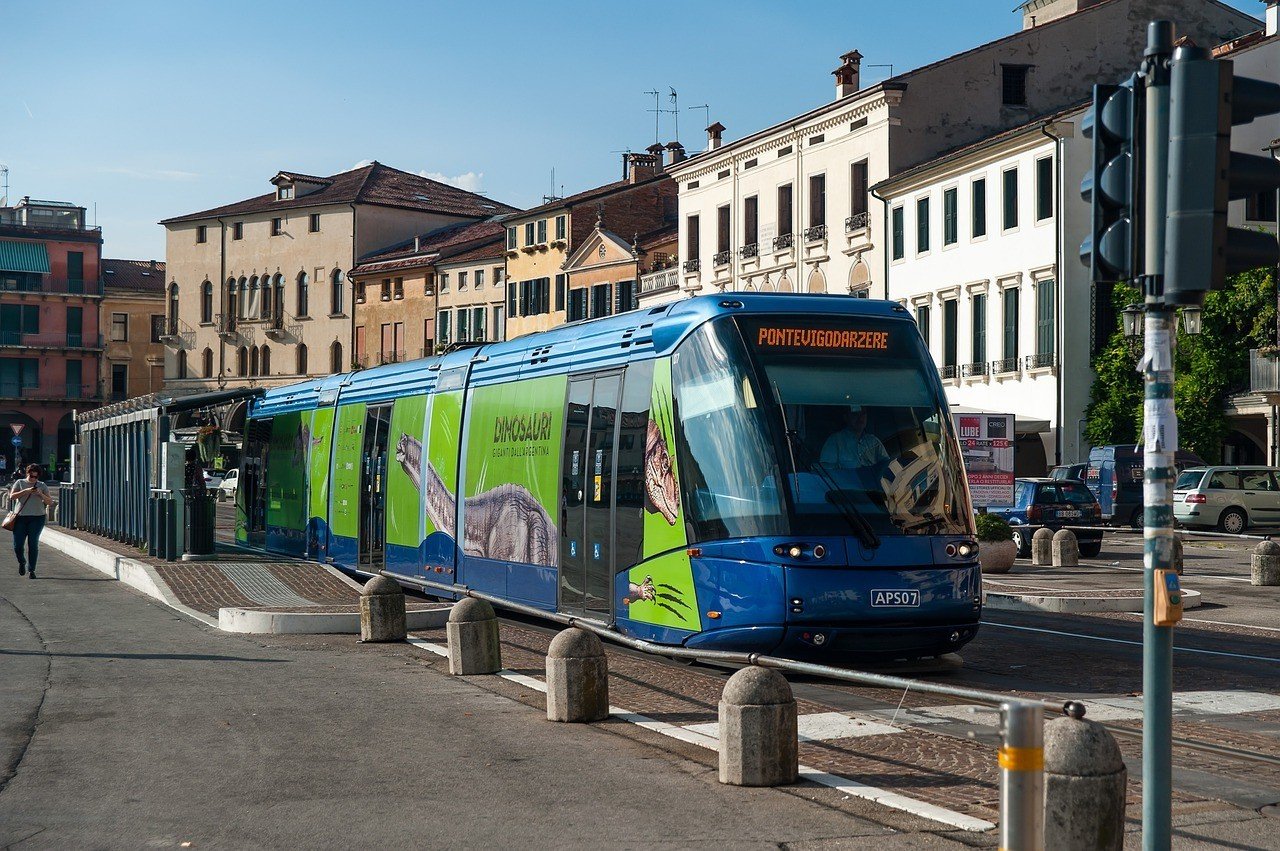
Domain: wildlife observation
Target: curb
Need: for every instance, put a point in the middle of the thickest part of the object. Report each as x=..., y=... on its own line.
x=136, y=574
x=316, y=623
x=1011, y=602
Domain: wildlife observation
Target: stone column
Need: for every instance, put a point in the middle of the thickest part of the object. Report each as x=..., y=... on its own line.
x=473, y=638
x=1084, y=787
x=1066, y=552
x=577, y=677
x=758, y=735
x=382, y=610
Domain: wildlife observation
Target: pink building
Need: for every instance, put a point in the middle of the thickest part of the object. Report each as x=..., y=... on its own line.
x=50, y=339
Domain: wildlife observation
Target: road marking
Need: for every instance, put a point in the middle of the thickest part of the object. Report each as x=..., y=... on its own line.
x=694, y=736
x=1132, y=643
x=819, y=727
x=1185, y=576
x=1228, y=623
x=1185, y=703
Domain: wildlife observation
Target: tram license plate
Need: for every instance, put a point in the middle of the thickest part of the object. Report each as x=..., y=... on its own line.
x=885, y=597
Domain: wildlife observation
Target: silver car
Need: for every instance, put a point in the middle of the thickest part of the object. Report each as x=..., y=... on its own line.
x=1230, y=499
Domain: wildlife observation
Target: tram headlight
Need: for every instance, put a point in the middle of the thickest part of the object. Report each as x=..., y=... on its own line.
x=819, y=551
x=795, y=551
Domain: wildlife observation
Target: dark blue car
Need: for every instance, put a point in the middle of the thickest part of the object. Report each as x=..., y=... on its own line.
x=1052, y=504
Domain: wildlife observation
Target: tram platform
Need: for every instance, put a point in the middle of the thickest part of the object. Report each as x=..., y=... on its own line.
x=238, y=590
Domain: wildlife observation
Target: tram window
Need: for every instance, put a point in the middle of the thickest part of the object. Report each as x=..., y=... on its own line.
x=637, y=390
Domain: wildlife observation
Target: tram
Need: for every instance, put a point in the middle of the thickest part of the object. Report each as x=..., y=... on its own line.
x=760, y=473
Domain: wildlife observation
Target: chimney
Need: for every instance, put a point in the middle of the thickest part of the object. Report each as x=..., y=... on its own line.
x=675, y=153
x=417, y=244
x=1272, y=17
x=640, y=166
x=151, y=263
x=655, y=151
x=715, y=130
x=848, y=75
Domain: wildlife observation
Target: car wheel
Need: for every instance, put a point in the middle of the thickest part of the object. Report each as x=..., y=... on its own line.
x=1135, y=519
x=1233, y=521
x=1090, y=549
x=1023, y=540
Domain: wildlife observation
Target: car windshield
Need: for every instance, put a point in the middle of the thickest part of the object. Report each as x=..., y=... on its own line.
x=1064, y=493
x=1188, y=480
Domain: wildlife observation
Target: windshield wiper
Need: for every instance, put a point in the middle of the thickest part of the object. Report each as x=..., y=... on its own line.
x=857, y=522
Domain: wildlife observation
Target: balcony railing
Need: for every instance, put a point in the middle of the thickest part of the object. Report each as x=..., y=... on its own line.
x=721, y=258
x=752, y=250
x=1004, y=365
x=226, y=323
x=857, y=221
x=783, y=242
x=391, y=357
x=1264, y=373
x=48, y=392
x=57, y=286
x=972, y=370
x=817, y=233
x=660, y=280
x=692, y=266
x=947, y=371
x=51, y=340
x=1042, y=360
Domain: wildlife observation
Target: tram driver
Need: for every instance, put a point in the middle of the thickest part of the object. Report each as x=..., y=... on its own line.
x=852, y=448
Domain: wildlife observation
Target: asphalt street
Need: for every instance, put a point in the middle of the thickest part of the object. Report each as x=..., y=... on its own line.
x=128, y=725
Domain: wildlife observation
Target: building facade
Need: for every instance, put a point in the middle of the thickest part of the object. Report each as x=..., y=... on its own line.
x=258, y=289
x=540, y=241
x=50, y=337
x=471, y=302
x=605, y=272
x=133, y=320
x=788, y=208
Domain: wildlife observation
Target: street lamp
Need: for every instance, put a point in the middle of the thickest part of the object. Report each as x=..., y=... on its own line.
x=1132, y=321
x=1191, y=320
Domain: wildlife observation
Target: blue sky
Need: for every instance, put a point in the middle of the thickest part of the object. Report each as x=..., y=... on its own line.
x=153, y=109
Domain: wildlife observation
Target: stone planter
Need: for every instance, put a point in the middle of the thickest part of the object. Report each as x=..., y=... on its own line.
x=997, y=556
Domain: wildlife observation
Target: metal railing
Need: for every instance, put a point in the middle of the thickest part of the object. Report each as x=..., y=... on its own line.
x=816, y=233
x=970, y=370
x=1264, y=372
x=226, y=323
x=1021, y=719
x=51, y=340
x=655, y=281
x=692, y=266
x=947, y=371
x=57, y=286
x=391, y=357
x=750, y=250
x=857, y=221
x=1040, y=360
x=721, y=258
x=785, y=241
x=48, y=392
x=1004, y=365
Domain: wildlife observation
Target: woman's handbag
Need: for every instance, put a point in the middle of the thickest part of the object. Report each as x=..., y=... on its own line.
x=11, y=519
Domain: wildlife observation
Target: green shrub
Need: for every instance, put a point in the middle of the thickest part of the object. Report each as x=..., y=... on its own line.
x=992, y=527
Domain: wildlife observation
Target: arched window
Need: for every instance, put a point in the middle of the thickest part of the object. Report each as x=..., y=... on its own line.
x=229, y=299
x=243, y=289
x=266, y=360
x=253, y=308
x=206, y=301
x=303, y=285
x=253, y=361
x=182, y=363
x=208, y=362
x=267, y=311
x=817, y=281
x=242, y=362
x=335, y=357
x=335, y=297
x=173, y=307
x=278, y=301
x=302, y=359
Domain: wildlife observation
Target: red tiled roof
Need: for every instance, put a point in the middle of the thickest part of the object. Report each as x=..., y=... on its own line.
x=442, y=244
x=372, y=184
x=139, y=276
x=589, y=195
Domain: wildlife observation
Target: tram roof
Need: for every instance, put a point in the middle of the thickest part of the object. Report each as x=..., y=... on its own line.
x=584, y=346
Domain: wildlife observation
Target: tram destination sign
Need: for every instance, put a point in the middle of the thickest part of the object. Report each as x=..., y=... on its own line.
x=986, y=442
x=822, y=339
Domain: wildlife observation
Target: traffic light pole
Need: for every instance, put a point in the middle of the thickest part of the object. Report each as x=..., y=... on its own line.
x=1160, y=439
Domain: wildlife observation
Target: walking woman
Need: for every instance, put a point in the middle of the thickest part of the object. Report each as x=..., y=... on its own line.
x=28, y=497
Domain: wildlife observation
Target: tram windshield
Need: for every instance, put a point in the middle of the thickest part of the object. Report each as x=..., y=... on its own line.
x=838, y=411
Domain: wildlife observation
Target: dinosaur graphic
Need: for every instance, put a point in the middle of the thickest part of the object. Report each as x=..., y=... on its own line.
x=505, y=523
x=661, y=495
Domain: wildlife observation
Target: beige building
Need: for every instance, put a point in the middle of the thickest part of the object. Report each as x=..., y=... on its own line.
x=606, y=270
x=261, y=284
x=540, y=241
x=399, y=290
x=134, y=326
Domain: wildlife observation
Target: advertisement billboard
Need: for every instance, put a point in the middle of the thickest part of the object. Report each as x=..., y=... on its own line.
x=986, y=441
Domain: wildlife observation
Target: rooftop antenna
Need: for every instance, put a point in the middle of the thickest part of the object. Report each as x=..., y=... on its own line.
x=4, y=192
x=890, y=67
x=657, y=113
x=675, y=113
x=547, y=199
x=706, y=108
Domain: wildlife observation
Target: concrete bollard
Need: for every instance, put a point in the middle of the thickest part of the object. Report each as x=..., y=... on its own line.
x=382, y=610
x=1085, y=787
x=1042, y=547
x=758, y=734
x=473, y=638
x=1066, y=552
x=1265, y=564
x=577, y=677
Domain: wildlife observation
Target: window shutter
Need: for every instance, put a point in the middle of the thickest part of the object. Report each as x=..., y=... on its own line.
x=511, y=298
x=560, y=279
x=544, y=297
x=524, y=298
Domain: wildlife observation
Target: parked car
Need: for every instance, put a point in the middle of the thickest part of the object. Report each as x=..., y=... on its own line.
x=1114, y=475
x=1069, y=471
x=1229, y=498
x=1052, y=504
x=227, y=487
x=212, y=479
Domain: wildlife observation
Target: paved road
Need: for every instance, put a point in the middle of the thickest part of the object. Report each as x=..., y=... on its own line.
x=124, y=724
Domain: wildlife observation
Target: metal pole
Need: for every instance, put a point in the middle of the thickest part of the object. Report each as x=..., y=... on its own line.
x=1021, y=776
x=1160, y=439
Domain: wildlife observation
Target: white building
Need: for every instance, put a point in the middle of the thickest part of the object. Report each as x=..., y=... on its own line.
x=788, y=208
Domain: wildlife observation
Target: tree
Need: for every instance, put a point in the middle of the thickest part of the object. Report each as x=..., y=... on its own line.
x=1208, y=367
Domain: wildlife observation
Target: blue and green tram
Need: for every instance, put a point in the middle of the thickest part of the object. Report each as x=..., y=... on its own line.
x=760, y=473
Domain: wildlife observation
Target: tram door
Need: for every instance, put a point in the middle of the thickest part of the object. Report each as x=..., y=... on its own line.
x=253, y=481
x=587, y=496
x=373, y=484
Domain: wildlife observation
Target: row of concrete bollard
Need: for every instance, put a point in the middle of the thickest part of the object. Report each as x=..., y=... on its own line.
x=1085, y=777
x=1058, y=549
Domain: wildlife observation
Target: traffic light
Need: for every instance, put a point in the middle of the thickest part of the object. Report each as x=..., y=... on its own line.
x=1204, y=174
x=1110, y=187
